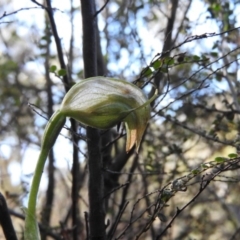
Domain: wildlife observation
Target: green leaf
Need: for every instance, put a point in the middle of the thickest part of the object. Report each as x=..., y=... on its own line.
x=195, y=171
x=156, y=64
x=169, y=61
x=53, y=69
x=232, y=155
x=214, y=54
x=147, y=72
x=216, y=7
x=204, y=166
x=196, y=58
x=164, y=69
x=219, y=76
x=149, y=168
x=220, y=159
x=62, y=72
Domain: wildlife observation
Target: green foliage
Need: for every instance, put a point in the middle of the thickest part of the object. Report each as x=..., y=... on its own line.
x=232, y=155
x=220, y=159
x=62, y=72
x=53, y=69
x=58, y=72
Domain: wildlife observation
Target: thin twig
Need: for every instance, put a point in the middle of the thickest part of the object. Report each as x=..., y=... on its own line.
x=5, y=220
x=86, y=224
x=39, y=4
x=117, y=220
x=198, y=132
x=5, y=14
x=66, y=78
x=115, y=189
x=101, y=9
x=203, y=185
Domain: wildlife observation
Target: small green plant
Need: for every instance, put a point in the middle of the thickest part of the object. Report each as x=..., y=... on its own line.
x=97, y=102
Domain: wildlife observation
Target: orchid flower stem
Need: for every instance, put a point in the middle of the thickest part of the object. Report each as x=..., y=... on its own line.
x=51, y=133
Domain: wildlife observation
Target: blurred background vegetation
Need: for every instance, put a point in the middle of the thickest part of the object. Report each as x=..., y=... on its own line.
x=184, y=183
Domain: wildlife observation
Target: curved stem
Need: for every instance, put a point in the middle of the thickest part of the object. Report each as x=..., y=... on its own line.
x=51, y=133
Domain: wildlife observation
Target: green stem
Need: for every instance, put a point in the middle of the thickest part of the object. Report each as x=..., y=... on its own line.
x=51, y=133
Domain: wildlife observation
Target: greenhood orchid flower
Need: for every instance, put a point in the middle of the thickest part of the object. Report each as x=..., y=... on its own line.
x=98, y=102
x=102, y=103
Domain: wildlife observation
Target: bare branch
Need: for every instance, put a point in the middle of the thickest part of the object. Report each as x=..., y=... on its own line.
x=101, y=9
x=5, y=220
